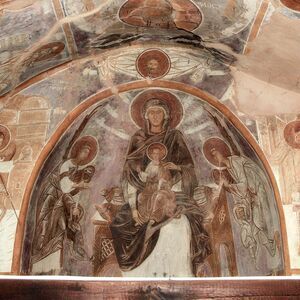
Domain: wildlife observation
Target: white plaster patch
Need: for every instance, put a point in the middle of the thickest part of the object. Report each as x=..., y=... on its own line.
x=293, y=233
x=7, y=238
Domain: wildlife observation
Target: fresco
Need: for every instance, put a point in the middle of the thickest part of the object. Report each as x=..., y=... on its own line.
x=77, y=162
x=162, y=180
x=153, y=63
x=198, y=68
x=292, y=134
x=19, y=62
x=229, y=17
x=145, y=14
x=284, y=156
x=292, y=4
x=81, y=27
x=7, y=151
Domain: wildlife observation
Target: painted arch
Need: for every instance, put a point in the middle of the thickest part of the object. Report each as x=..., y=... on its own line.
x=82, y=208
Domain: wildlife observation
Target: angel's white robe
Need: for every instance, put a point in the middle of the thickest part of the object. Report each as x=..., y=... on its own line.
x=253, y=190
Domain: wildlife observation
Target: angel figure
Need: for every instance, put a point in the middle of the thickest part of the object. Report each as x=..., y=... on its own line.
x=241, y=177
x=59, y=212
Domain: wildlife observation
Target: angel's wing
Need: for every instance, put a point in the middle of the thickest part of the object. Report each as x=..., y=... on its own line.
x=223, y=130
x=79, y=130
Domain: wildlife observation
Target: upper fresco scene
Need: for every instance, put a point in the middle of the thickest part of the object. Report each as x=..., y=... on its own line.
x=150, y=138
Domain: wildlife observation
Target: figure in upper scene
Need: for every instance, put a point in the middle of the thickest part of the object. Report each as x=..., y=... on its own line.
x=161, y=14
x=149, y=20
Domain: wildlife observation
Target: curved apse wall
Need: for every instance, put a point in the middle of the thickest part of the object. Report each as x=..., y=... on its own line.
x=209, y=61
x=104, y=205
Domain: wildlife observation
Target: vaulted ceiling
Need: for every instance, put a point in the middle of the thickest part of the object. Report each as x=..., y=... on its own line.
x=258, y=39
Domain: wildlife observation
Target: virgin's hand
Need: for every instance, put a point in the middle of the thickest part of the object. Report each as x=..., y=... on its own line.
x=171, y=166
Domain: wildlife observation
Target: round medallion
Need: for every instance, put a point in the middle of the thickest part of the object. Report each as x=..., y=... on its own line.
x=292, y=4
x=183, y=14
x=292, y=134
x=153, y=63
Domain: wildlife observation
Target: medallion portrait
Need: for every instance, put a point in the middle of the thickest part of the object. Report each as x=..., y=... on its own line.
x=153, y=63
x=171, y=14
x=292, y=134
x=291, y=4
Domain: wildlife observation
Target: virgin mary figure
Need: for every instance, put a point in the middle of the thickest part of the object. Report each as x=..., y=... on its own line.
x=178, y=244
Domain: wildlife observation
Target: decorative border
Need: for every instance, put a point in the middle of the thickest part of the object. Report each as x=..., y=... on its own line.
x=279, y=288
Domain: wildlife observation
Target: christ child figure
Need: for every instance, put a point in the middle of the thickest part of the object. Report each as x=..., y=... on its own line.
x=157, y=201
